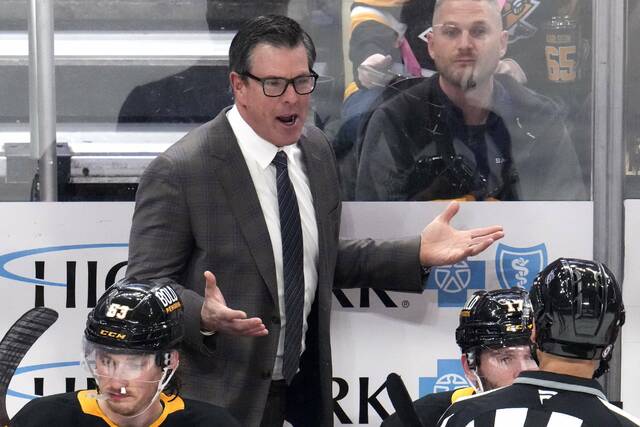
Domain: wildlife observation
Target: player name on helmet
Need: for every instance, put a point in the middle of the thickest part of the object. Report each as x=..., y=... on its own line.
x=176, y=305
x=167, y=296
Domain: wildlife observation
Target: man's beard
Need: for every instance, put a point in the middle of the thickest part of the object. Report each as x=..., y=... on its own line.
x=486, y=384
x=468, y=78
x=461, y=78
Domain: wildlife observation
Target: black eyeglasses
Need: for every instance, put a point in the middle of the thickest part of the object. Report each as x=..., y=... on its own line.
x=276, y=86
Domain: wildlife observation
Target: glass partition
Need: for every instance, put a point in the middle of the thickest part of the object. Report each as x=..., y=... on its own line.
x=17, y=167
x=133, y=76
x=632, y=97
x=468, y=102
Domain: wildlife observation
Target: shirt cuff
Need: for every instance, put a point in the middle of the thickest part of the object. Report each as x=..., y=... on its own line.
x=424, y=273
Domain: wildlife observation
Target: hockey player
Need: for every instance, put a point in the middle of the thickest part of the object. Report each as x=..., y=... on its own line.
x=130, y=349
x=494, y=336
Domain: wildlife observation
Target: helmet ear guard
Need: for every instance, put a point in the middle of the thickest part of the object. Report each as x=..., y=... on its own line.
x=163, y=359
x=472, y=361
x=603, y=367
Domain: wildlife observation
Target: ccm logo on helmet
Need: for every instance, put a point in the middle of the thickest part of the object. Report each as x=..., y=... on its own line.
x=112, y=334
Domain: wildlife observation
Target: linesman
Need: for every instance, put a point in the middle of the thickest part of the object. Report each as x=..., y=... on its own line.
x=578, y=313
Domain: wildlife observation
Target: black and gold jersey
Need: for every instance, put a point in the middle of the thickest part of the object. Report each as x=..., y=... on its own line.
x=81, y=409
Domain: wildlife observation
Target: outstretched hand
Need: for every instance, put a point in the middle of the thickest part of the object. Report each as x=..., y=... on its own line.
x=442, y=244
x=216, y=316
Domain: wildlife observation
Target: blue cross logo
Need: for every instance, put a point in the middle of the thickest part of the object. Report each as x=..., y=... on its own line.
x=453, y=281
x=450, y=377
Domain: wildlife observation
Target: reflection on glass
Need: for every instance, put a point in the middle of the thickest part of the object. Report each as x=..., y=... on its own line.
x=133, y=76
x=510, y=104
x=632, y=98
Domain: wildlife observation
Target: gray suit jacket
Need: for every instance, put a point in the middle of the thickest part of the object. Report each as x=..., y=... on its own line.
x=196, y=210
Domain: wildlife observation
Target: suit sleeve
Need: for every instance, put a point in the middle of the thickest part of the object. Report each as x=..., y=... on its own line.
x=161, y=241
x=391, y=265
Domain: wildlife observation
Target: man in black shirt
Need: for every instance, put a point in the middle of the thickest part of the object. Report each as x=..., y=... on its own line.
x=493, y=335
x=578, y=312
x=466, y=132
x=130, y=348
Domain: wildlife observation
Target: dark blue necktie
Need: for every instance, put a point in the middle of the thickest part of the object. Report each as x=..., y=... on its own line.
x=292, y=252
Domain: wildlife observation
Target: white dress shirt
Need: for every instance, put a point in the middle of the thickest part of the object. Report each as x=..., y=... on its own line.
x=258, y=154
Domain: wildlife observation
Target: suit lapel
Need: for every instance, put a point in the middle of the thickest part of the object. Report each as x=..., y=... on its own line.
x=233, y=173
x=315, y=172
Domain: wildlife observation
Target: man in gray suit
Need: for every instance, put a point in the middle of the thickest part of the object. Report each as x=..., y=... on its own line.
x=212, y=202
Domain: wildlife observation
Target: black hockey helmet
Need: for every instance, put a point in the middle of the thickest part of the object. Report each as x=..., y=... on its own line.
x=136, y=315
x=578, y=309
x=495, y=319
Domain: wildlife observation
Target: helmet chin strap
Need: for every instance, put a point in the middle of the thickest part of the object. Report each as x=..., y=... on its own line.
x=476, y=382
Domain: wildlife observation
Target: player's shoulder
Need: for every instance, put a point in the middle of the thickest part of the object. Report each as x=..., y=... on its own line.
x=429, y=409
x=53, y=400
x=444, y=398
x=473, y=404
x=45, y=410
x=202, y=413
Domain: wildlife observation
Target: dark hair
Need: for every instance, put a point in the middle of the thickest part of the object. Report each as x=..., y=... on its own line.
x=173, y=388
x=275, y=30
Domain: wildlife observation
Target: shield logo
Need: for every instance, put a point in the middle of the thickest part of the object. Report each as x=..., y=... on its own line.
x=517, y=267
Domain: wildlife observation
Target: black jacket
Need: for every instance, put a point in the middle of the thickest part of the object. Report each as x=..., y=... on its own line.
x=528, y=152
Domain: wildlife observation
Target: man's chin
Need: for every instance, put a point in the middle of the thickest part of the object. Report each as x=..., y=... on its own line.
x=288, y=136
x=123, y=408
x=456, y=79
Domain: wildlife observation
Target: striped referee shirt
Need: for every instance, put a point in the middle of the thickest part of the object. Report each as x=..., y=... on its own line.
x=539, y=399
